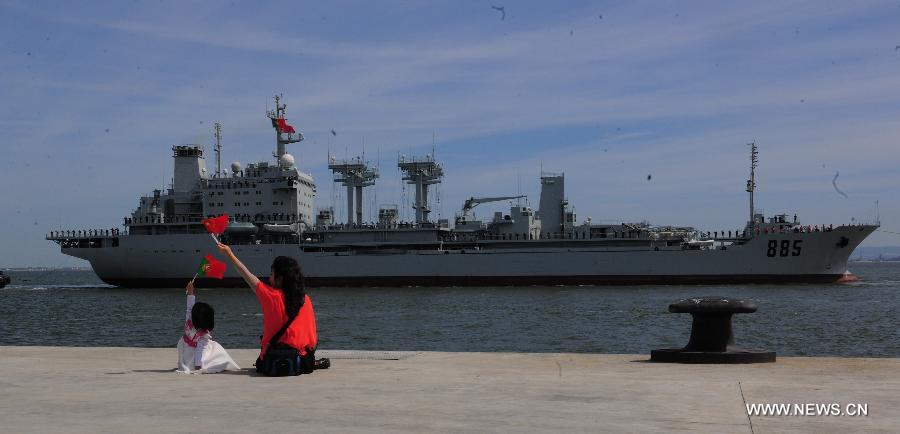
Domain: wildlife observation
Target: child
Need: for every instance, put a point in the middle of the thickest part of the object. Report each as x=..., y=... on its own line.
x=197, y=352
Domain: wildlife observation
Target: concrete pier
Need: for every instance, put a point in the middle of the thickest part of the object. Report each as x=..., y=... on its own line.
x=89, y=390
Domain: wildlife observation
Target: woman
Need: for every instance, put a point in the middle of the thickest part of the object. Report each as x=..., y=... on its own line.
x=284, y=297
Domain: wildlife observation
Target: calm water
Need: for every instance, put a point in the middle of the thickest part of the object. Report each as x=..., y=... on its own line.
x=73, y=308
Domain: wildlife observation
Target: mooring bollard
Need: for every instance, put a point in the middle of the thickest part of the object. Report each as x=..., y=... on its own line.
x=712, y=340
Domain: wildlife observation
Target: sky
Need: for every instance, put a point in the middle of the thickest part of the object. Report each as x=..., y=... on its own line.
x=647, y=107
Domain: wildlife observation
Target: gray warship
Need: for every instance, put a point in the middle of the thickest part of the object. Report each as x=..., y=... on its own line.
x=271, y=208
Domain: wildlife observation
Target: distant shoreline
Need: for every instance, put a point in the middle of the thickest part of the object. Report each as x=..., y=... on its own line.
x=47, y=269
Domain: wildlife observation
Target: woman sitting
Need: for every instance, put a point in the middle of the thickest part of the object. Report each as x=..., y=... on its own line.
x=288, y=318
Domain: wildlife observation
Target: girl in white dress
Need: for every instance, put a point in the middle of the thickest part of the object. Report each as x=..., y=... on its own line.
x=198, y=353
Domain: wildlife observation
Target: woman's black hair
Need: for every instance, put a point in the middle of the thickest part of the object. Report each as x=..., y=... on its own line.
x=291, y=283
x=203, y=316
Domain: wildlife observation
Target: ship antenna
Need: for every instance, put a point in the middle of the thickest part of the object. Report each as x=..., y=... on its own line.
x=518, y=188
x=218, y=131
x=751, y=183
x=278, y=121
x=433, y=156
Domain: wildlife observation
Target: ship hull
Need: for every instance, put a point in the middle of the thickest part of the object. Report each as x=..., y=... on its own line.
x=444, y=281
x=171, y=260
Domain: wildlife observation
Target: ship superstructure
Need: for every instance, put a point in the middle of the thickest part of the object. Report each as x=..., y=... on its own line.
x=260, y=199
x=272, y=212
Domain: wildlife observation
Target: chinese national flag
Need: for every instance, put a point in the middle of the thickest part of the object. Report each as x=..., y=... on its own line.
x=210, y=267
x=284, y=127
x=216, y=225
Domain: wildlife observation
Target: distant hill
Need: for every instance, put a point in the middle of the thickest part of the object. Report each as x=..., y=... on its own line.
x=886, y=253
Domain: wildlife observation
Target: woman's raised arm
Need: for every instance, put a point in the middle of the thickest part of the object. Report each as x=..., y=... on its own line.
x=251, y=279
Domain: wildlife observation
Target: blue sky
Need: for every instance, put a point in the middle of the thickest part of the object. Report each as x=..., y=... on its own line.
x=94, y=96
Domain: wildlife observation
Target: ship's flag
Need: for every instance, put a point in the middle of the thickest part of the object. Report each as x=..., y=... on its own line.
x=284, y=127
x=210, y=267
x=216, y=225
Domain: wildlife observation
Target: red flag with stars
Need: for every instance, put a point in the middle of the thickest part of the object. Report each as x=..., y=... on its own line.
x=284, y=127
x=216, y=225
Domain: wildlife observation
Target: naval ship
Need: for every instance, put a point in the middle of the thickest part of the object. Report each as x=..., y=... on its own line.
x=271, y=209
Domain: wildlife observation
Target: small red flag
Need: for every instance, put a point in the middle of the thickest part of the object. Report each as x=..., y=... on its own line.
x=284, y=127
x=210, y=267
x=216, y=225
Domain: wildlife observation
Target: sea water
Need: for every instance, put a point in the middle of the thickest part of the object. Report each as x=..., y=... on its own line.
x=74, y=308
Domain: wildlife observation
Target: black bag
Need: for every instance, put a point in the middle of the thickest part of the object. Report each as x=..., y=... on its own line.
x=282, y=360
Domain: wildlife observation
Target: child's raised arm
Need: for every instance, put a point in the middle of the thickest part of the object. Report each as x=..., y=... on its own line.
x=189, y=290
x=245, y=273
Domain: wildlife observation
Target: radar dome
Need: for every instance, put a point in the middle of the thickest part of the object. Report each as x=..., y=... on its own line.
x=286, y=161
x=235, y=167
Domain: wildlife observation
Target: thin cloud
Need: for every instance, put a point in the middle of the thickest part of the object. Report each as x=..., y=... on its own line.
x=688, y=90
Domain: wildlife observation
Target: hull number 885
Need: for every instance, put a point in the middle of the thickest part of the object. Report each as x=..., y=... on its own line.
x=784, y=248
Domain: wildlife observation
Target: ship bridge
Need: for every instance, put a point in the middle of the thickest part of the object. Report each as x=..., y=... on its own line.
x=262, y=200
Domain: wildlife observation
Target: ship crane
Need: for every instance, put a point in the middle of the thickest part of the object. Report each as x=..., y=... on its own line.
x=472, y=202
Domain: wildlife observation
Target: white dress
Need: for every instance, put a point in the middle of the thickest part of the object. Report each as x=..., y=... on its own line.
x=197, y=348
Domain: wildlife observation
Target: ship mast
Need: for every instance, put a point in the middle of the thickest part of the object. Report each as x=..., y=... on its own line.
x=282, y=128
x=218, y=132
x=421, y=173
x=751, y=183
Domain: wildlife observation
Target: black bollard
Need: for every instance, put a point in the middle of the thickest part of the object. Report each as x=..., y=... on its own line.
x=712, y=339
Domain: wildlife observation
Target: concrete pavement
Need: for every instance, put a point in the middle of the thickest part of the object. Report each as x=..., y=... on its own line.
x=88, y=390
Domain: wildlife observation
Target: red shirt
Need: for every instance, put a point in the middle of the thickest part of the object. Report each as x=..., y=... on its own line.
x=302, y=332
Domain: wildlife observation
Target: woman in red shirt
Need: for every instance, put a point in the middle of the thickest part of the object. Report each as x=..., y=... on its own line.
x=284, y=295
